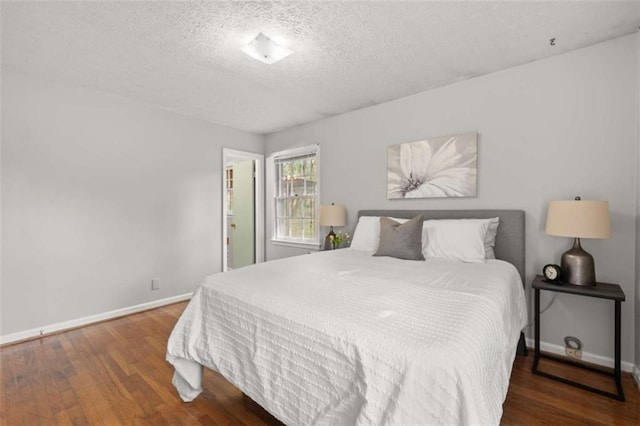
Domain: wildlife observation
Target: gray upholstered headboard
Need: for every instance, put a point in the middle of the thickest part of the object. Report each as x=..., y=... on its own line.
x=509, y=241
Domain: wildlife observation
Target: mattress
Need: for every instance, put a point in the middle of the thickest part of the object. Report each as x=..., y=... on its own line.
x=342, y=337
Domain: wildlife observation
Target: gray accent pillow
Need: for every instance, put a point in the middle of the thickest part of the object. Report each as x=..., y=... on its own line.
x=402, y=241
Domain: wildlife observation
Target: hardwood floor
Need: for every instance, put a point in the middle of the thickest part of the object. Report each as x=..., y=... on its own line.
x=115, y=373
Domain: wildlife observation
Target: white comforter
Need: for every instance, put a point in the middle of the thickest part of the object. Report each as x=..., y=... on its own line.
x=342, y=337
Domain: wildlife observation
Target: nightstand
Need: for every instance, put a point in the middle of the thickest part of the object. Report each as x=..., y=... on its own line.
x=601, y=291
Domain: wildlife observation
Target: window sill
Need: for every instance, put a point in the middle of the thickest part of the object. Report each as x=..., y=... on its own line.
x=285, y=243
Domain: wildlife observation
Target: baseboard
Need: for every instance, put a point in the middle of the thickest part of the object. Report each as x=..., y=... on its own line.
x=66, y=325
x=586, y=356
x=636, y=375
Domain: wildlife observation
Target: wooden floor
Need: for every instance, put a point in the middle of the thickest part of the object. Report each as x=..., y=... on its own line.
x=114, y=373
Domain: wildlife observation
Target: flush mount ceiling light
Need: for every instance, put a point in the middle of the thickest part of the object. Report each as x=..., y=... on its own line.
x=266, y=50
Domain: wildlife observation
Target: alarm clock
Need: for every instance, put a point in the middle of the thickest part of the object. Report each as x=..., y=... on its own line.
x=552, y=272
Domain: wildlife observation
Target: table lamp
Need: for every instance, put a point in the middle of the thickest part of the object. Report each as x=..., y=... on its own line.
x=332, y=215
x=578, y=219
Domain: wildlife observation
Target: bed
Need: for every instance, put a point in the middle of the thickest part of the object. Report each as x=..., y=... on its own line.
x=343, y=337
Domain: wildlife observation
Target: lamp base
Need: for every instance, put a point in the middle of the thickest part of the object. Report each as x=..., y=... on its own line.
x=578, y=267
x=328, y=240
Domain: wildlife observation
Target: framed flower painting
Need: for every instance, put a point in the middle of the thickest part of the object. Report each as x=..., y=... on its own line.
x=433, y=168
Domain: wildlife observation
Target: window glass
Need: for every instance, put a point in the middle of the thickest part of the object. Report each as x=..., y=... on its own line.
x=296, y=195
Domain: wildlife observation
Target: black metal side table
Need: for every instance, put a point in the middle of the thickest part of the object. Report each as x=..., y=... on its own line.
x=600, y=291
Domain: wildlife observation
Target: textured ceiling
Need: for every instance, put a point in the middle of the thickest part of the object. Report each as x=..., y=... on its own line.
x=185, y=56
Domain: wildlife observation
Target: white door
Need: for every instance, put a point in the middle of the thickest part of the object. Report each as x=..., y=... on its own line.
x=243, y=249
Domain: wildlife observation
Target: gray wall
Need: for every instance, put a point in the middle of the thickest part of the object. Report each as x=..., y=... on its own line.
x=637, y=301
x=100, y=195
x=548, y=130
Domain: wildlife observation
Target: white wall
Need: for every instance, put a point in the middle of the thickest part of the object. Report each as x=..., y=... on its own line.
x=100, y=195
x=550, y=129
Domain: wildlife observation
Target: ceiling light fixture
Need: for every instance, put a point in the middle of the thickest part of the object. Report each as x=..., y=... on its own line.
x=266, y=50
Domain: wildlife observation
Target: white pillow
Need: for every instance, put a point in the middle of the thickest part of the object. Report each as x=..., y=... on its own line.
x=366, y=237
x=367, y=234
x=457, y=239
x=490, y=238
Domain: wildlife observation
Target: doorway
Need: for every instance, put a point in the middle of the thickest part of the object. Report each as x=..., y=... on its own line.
x=242, y=209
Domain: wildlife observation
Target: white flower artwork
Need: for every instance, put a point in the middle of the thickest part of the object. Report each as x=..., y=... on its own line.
x=433, y=168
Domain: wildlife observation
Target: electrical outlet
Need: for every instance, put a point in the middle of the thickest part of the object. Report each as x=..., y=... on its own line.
x=573, y=353
x=573, y=347
x=155, y=284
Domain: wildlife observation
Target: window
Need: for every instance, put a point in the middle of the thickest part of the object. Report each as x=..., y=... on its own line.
x=295, y=176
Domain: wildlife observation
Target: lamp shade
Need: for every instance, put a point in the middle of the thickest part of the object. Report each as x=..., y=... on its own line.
x=333, y=215
x=579, y=219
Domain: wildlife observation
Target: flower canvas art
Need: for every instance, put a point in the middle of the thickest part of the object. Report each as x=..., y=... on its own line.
x=433, y=168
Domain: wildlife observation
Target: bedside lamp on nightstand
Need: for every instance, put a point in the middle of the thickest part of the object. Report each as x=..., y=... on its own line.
x=332, y=215
x=578, y=219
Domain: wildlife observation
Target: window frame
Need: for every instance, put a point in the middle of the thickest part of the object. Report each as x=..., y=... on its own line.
x=273, y=159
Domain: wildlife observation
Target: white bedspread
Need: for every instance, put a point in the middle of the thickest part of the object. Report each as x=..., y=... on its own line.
x=341, y=337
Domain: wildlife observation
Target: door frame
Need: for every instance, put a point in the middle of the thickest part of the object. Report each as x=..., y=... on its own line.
x=229, y=156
